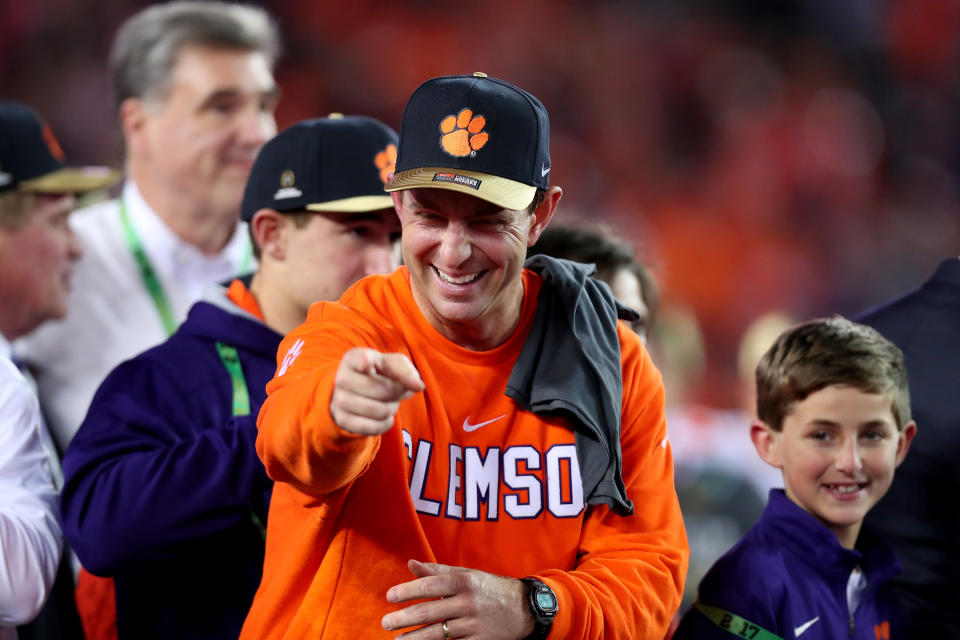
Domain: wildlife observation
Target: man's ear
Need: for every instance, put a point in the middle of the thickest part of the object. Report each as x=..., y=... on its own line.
x=906, y=437
x=133, y=116
x=267, y=227
x=767, y=443
x=543, y=213
x=397, y=197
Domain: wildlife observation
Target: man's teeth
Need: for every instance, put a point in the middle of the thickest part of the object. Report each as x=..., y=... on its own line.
x=460, y=280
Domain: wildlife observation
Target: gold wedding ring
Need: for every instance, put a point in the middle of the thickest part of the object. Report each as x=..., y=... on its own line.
x=446, y=630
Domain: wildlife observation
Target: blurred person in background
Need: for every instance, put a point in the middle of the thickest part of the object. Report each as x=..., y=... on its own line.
x=37, y=252
x=194, y=92
x=164, y=466
x=720, y=481
x=195, y=95
x=919, y=515
x=631, y=282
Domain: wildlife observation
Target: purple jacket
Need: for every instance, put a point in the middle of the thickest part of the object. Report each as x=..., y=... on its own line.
x=162, y=481
x=788, y=575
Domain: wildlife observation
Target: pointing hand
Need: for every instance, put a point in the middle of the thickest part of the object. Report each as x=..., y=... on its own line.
x=368, y=388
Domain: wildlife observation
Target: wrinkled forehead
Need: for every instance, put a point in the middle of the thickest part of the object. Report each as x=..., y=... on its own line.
x=206, y=70
x=454, y=203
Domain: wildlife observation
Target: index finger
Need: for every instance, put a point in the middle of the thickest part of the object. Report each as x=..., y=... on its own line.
x=399, y=368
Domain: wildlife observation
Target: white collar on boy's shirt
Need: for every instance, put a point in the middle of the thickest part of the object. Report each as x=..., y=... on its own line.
x=175, y=259
x=856, y=586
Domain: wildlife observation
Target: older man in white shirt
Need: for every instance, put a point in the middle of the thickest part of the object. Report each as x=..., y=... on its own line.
x=195, y=95
x=37, y=248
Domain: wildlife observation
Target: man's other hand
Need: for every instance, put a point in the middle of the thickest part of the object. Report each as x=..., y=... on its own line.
x=473, y=604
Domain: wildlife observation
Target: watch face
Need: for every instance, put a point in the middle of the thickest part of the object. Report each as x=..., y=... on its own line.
x=546, y=601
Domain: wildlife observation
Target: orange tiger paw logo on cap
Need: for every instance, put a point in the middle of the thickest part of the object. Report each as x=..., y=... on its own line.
x=386, y=161
x=882, y=631
x=463, y=133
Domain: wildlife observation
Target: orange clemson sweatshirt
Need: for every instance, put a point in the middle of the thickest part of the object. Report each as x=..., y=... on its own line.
x=465, y=477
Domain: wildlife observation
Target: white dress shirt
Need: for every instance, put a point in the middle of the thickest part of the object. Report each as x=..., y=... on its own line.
x=30, y=537
x=112, y=315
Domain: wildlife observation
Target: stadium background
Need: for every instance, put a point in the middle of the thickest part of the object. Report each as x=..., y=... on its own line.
x=802, y=156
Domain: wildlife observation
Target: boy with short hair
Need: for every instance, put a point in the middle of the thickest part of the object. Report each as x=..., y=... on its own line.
x=834, y=417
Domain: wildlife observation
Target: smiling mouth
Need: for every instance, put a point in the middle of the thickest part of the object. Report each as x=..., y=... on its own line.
x=845, y=489
x=461, y=280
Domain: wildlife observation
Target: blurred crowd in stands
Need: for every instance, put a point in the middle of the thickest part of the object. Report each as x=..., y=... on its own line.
x=800, y=156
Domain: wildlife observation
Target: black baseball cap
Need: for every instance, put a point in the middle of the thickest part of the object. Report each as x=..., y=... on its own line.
x=338, y=164
x=476, y=135
x=31, y=159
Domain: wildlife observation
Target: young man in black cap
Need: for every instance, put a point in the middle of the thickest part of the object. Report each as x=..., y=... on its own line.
x=464, y=418
x=37, y=249
x=164, y=490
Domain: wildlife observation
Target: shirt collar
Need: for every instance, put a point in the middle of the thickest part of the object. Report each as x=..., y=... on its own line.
x=6, y=350
x=166, y=250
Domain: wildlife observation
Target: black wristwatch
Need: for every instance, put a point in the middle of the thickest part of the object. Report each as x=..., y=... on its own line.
x=543, y=605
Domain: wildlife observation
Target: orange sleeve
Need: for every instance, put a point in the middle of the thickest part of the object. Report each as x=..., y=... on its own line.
x=297, y=439
x=631, y=570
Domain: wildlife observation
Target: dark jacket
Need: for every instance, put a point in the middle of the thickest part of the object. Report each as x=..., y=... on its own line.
x=570, y=363
x=788, y=575
x=919, y=515
x=163, y=487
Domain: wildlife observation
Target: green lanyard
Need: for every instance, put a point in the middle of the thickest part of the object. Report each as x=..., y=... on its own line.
x=231, y=360
x=149, y=276
x=241, y=402
x=734, y=624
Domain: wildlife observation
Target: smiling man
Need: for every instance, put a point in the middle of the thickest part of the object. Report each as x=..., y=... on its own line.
x=195, y=97
x=465, y=447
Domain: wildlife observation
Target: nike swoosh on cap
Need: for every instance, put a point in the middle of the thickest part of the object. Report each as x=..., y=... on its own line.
x=544, y=170
x=473, y=427
x=806, y=625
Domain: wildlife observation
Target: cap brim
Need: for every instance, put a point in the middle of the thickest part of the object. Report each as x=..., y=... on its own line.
x=71, y=180
x=502, y=192
x=354, y=205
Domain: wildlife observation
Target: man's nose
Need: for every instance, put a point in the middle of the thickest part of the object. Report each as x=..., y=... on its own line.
x=454, y=245
x=256, y=126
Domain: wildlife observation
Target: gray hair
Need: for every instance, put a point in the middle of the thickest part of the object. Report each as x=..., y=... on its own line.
x=146, y=47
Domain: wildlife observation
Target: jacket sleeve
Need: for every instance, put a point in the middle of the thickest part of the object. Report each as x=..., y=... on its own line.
x=734, y=607
x=630, y=574
x=738, y=600
x=143, y=474
x=30, y=539
x=695, y=625
x=298, y=440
